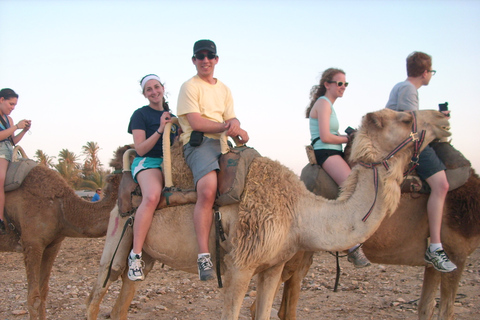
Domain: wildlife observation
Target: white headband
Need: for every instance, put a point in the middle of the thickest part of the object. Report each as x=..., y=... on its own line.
x=149, y=77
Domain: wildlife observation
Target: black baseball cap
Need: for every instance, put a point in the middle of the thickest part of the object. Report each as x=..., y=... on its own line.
x=208, y=45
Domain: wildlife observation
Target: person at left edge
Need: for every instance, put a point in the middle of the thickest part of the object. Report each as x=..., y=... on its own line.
x=147, y=126
x=8, y=101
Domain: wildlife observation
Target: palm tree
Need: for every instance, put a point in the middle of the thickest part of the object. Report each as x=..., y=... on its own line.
x=92, y=162
x=44, y=159
x=68, y=167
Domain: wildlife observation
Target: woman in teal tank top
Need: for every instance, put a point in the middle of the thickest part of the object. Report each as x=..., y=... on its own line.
x=324, y=124
x=326, y=141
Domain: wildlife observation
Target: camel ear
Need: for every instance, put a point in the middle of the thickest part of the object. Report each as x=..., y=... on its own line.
x=375, y=118
x=405, y=117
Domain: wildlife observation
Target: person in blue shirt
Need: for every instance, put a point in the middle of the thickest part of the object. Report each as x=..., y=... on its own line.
x=96, y=196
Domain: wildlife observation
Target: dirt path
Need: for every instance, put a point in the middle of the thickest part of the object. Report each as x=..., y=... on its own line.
x=377, y=292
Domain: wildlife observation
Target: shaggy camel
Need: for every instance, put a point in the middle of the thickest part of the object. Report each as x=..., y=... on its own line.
x=406, y=229
x=45, y=210
x=277, y=217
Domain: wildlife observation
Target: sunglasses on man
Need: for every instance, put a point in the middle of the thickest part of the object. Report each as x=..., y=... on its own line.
x=201, y=56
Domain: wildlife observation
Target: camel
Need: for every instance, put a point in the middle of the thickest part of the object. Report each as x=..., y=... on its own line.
x=276, y=218
x=402, y=240
x=44, y=210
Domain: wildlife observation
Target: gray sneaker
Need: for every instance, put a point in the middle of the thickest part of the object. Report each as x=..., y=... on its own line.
x=439, y=260
x=205, y=268
x=135, y=268
x=358, y=258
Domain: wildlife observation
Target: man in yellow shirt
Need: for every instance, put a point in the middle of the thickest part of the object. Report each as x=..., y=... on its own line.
x=205, y=110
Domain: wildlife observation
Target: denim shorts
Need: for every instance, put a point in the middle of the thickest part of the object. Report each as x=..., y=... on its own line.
x=322, y=155
x=6, y=150
x=204, y=158
x=143, y=163
x=429, y=163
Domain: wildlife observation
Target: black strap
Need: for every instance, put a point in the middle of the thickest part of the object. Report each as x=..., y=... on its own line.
x=314, y=140
x=219, y=234
x=6, y=127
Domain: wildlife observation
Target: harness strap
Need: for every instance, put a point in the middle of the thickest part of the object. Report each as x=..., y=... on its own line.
x=375, y=183
x=219, y=235
x=128, y=223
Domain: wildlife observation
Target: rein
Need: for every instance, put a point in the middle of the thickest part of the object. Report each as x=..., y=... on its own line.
x=417, y=144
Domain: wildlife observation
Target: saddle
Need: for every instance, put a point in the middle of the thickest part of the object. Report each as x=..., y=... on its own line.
x=234, y=164
x=458, y=172
x=18, y=169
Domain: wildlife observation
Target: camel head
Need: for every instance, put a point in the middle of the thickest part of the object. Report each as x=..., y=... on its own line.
x=382, y=131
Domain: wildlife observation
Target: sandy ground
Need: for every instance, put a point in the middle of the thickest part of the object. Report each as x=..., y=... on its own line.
x=376, y=292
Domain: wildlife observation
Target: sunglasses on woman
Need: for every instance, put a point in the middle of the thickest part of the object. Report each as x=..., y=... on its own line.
x=201, y=56
x=339, y=83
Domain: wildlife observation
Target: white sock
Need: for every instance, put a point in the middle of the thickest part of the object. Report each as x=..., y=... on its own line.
x=435, y=246
x=133, y=254
x=200, y=255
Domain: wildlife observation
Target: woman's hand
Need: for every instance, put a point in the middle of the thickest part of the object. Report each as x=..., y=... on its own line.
x=24, y=124
x=166, y=118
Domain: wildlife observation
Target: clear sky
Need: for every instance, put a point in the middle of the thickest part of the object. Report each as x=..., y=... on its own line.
x=76, y=64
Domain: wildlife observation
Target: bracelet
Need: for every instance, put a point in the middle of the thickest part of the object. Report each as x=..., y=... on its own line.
x=159, y=132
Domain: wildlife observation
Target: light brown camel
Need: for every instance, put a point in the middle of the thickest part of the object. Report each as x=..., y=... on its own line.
x=45, y=210
x=401, y=239
x=276, y=218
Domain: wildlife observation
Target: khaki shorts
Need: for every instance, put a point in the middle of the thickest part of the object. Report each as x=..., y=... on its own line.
x=204, y=158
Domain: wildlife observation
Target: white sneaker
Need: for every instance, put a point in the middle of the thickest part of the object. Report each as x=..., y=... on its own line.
x=135, y=268
x=439, y=260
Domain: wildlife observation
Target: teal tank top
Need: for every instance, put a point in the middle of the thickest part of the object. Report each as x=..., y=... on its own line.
x=315, y=133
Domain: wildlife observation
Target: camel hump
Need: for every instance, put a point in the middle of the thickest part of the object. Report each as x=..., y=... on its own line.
x=234, y=167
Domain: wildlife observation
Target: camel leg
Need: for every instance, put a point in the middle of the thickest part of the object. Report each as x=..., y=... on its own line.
x=291, y=289
x=267, y=285
x=127, y=292
x=448, y=291
x=32, y=255
x=49, y=256
x=235, y=286
x=426, y=306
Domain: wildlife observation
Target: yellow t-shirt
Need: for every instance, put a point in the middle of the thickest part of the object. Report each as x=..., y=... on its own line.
x=213, y=101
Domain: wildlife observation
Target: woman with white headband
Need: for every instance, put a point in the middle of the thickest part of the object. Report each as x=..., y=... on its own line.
x=147, y=126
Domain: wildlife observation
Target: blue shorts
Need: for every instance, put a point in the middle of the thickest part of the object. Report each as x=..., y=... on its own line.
x=143, y=163
x=6, y=150
x=204, y=158
x=429, y=163
x=321, y=155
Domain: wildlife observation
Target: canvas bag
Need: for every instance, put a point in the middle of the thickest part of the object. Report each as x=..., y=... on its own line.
x=233, y=171
x=18, y=169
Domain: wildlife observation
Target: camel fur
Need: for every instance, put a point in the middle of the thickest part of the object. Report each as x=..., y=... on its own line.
x=407, y=229
x=276, y=218
x=43, y=211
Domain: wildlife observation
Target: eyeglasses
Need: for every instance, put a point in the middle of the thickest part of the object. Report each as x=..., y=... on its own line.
x=433, y=72
x=201, y=56
x=339, y=83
